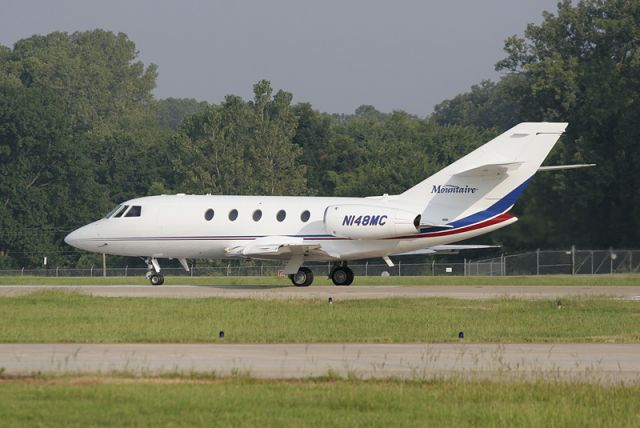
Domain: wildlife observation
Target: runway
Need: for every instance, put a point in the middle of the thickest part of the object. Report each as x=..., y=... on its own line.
x=601, y=363
x=472, y=292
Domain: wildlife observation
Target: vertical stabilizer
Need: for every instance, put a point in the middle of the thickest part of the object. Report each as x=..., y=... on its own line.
x=488, y=180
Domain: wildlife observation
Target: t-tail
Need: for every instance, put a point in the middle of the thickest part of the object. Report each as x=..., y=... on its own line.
x=484, y=184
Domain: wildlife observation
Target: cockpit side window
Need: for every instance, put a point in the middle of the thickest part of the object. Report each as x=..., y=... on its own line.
x=134, y=211
x=120, y=212
x=113, y=211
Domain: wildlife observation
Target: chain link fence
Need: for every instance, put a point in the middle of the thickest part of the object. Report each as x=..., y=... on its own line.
x=568, y=262
x=547, y=262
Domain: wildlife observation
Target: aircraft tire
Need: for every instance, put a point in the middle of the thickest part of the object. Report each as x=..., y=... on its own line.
x=342, y=276
x=156, y=279
x=303, y=278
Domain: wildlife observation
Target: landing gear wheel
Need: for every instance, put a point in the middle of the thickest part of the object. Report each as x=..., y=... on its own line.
x=342, y=275
x=156, y=279
x=302, y=278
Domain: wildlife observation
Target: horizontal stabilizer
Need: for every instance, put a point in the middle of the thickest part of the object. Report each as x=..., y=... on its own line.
x=559, y=167
x=489, y=169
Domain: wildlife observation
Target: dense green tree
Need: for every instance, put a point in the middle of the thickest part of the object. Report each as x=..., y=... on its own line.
x=240, y=148
x=582, y=66
x=172, y=111
x=46, y=183
x=77, y=132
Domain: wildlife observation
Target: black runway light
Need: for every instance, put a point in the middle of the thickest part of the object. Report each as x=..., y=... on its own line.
x=461, y=335
x=331, y=300
x=221, y=334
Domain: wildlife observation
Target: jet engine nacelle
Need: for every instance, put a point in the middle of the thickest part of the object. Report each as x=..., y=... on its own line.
x=370, y=222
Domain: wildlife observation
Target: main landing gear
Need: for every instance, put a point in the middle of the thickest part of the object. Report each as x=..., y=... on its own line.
x=340, y=275
x=302, y=278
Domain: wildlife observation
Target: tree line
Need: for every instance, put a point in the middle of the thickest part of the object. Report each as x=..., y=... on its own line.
x=80, y=131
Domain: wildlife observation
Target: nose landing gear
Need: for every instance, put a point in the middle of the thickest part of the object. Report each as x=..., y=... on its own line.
x=153, y=273
x=156, y=279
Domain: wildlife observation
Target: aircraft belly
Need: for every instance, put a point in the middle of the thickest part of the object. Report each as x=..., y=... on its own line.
x=166, y=248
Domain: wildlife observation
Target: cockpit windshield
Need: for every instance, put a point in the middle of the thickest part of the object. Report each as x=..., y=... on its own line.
x=126, y=211
x=113, y=211
x=134, y=211
x=120, y=212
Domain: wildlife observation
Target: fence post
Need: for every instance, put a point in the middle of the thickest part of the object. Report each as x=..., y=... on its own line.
x=611, y=257
x=399, y=268
x=573, y=260
x=591, y=262
x=126, y=268
x=261, y=269
x=22, y=271
x=366, y=268
x=464, y=267
x=56, y=271
x=433, y=267
x=91, y=274
x=538, y=261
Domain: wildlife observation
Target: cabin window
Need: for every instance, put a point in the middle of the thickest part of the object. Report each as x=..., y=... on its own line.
x=257, y=215
x=305, y=216
x=208, y=215
x=134, y=211
x=282, y=214
x=119, y=213
x=233, y=214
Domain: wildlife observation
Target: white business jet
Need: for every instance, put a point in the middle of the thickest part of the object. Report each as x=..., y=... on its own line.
x=468, y=198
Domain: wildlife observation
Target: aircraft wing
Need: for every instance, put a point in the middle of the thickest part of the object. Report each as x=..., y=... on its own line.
x=280, y=247
x=445, y=249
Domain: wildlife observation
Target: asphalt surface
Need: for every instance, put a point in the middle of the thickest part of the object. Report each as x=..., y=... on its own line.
x=601, y=363
x=324, y=292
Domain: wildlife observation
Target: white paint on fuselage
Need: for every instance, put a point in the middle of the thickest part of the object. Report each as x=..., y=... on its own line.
x=175, y=227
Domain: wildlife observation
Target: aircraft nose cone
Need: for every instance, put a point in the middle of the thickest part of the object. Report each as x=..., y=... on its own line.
x=72, y=238
x=84, y=237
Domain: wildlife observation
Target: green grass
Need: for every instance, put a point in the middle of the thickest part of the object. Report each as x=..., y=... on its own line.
x=599, y=280
x=55, y=316
x=244, y=402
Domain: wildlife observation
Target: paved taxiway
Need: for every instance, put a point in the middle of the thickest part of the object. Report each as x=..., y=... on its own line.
x=353, y=292
x=603, y=363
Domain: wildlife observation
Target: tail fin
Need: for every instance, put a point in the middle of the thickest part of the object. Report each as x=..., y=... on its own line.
x=487, y=181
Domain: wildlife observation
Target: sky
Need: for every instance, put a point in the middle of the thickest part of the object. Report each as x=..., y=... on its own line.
x=336, y=54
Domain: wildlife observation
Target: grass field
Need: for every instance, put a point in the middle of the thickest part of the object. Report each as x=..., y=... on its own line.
x=56, y=316
x=599, y=280
x=245, y=402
